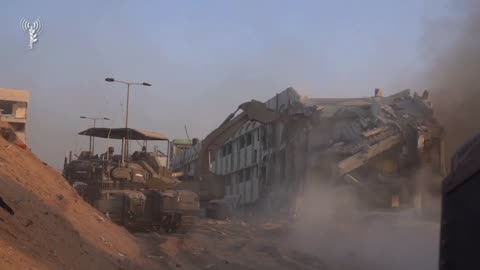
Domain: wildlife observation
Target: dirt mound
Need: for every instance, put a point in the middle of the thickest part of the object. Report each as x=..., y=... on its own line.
x=53, y=228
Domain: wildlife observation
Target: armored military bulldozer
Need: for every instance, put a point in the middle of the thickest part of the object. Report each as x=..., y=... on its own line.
x=137, y=190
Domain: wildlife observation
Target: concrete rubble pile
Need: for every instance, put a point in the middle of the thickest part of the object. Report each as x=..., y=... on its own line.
x=374, y=147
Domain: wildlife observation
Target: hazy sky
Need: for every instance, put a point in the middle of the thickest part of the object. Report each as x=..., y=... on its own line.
x=203, y=58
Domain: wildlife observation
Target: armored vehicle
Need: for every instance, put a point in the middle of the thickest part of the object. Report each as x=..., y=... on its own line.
x=137, y=190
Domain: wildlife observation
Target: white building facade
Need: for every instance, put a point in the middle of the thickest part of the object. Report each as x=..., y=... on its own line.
x=243, y=159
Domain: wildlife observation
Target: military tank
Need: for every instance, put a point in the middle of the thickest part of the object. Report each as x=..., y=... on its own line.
x=136, y=191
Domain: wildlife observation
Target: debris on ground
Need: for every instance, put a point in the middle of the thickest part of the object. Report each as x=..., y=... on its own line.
x=99, y=218
x=170, y=246
x=29, y=222
x=218, y=222
x=270, y=226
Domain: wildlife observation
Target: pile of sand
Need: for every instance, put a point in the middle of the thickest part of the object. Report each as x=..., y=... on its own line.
x=53, y=228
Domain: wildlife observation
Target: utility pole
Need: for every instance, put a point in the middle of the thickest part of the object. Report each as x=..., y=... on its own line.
x=125, y=144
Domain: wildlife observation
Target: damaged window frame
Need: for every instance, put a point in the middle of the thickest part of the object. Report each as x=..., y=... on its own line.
x=241, y=141
x=249, y=139
x=241, y=176
x=248, y=174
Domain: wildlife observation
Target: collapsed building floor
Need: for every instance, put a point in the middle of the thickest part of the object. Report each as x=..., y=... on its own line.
x=387, y=149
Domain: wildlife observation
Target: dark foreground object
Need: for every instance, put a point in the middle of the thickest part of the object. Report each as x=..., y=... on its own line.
x=5, y=206
x=460, y=224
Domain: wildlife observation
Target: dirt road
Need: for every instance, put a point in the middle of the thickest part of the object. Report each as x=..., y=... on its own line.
x=387, y=245
x=227, y=245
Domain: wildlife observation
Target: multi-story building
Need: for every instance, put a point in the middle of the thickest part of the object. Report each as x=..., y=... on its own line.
x=245, y=158
x=181, y=155
x=14, y=110
x=376, y=141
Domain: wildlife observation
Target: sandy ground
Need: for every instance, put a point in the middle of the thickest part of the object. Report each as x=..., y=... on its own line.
x=53, y=228
x=382, y=243
x=227, y=245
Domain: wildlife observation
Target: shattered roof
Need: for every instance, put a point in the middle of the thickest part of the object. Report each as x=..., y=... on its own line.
x=399, y=104
x=338, y=101
x=120, y=133
x=355, y=101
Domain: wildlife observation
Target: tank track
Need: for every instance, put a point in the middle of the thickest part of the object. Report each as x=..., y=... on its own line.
x=177, y=223
x=186, y=224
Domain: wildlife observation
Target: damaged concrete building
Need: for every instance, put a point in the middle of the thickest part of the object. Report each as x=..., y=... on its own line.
x=376, y=145
x=14, y=110
x=182, y=156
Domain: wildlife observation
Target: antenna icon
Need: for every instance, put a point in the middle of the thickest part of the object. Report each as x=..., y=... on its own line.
x=32, y=28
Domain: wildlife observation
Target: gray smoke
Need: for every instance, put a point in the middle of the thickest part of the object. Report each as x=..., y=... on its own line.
x=454, y=72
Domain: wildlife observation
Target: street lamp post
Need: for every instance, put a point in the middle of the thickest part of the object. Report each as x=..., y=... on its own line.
x=91, y=148
x=125, y=150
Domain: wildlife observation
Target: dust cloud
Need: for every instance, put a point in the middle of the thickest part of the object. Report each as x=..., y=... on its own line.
x=453, y=72
x=353, y=239
x=403, y=240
